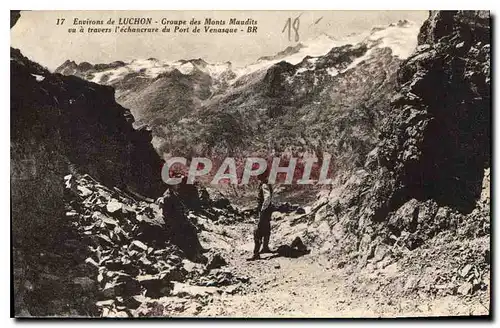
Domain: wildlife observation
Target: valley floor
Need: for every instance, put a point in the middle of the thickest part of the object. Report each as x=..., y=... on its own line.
x=313, y=286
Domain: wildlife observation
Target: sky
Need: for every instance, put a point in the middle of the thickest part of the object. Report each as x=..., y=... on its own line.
x=39, y=37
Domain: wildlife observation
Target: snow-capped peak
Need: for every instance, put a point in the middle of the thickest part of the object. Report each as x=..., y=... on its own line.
x=400, y=37
x=148, y=68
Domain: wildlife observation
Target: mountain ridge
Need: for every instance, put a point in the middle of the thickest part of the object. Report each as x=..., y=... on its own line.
x=184, y=101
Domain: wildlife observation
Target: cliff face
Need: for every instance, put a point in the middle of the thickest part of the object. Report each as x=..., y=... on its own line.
x=445, y=98
x=62, y=125
x=427, y=174
x=82, y=122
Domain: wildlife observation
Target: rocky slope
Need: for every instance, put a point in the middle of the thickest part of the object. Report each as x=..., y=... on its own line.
x=95, y=230
x=311, y=97
x=408, y=233
x=136, y=261
x=62, y=125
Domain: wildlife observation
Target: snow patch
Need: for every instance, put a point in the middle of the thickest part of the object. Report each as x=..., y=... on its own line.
x=332, y=71
x=217, y=70
x=111, y=74
x=186, y=68
x=358, y=60
x=401, y=39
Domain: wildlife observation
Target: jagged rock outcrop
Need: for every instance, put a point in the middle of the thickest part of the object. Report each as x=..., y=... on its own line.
x=70, y=67
x=427, y=174
x=14, y=16
x=93, y=131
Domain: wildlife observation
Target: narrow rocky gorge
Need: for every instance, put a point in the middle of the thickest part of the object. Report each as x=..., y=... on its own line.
x=405, y=231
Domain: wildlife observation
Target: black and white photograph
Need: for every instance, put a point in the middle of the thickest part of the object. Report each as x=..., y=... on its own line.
x=250, y=164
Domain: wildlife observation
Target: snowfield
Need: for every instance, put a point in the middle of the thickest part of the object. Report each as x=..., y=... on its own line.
x=400, y=37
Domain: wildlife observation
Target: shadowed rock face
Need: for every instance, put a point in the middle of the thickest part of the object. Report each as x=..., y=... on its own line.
x=94, y=132
x=437, y=142
x=427, y=173
x=14, y=16
x=62, y=125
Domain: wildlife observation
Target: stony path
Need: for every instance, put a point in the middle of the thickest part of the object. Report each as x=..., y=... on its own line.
x=311, y=286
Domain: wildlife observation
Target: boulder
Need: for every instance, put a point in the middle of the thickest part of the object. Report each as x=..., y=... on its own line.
x=465, y=270
x=138, y=246
x=215, y=261
x=114, y=206
x=465, y=289
x=156, y=286
x=127, y=287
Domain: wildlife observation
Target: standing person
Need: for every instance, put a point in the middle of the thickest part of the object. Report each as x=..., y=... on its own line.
x=264, y=211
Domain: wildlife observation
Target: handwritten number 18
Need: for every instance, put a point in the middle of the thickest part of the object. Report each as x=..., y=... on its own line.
x=295, y=26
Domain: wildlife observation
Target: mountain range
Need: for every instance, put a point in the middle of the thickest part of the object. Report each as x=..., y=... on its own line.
x=323, y=95
x=405, y=232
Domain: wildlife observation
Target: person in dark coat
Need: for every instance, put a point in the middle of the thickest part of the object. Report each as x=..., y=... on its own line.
x=262, y=233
